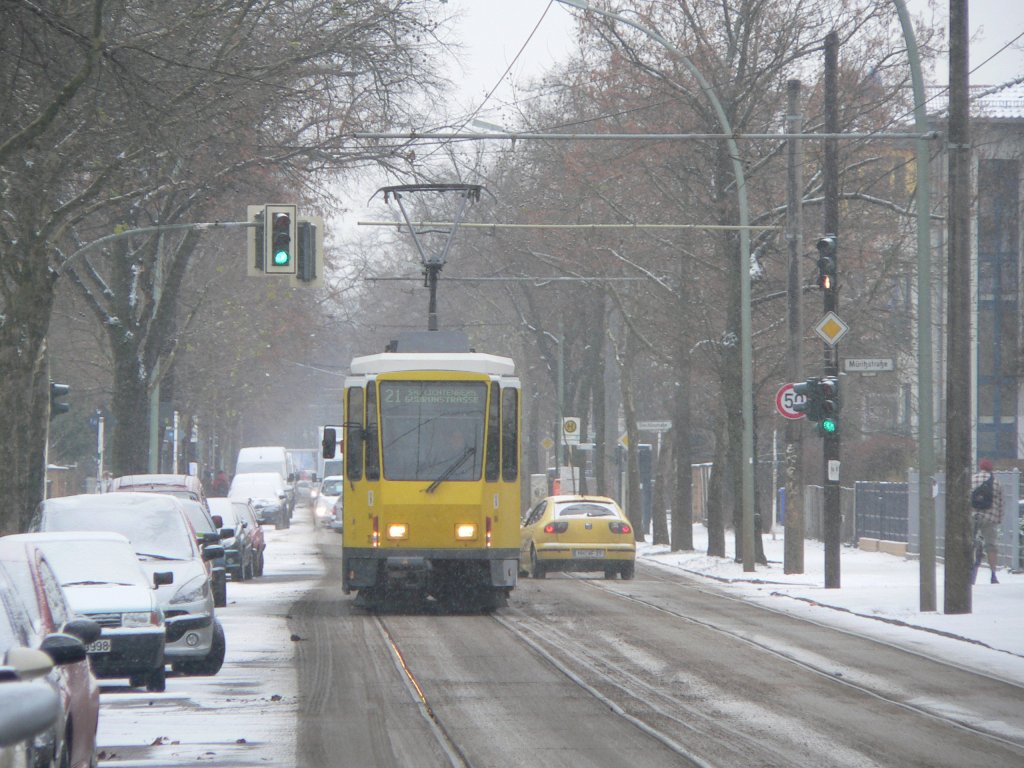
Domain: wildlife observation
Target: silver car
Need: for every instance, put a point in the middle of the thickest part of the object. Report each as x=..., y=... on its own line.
x=163, y=541
x=104, y=581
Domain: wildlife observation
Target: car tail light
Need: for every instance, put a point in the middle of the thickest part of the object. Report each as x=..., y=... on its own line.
x=620, y=527
x=560, y=526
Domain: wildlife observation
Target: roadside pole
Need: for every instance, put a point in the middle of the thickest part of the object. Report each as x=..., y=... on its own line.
x=833, y=517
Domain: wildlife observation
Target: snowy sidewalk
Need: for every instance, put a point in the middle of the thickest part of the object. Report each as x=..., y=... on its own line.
x=878, y=598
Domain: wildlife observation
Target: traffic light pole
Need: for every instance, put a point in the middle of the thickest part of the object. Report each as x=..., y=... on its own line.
x=832, y=512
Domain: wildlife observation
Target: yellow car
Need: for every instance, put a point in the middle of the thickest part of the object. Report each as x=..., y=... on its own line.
x=577, y=533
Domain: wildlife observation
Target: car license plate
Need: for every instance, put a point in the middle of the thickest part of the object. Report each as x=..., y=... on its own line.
x=587, y=554
x=99, y=646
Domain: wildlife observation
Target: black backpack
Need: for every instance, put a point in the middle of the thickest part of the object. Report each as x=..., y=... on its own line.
x=981, y=496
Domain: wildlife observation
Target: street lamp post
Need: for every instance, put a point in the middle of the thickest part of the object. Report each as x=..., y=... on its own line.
x=747, y=407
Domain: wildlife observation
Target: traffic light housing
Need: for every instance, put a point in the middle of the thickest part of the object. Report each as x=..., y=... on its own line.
x=830, y=406
x=811, y=406
x=57, y=407
x=827, y=263
x=280, y=251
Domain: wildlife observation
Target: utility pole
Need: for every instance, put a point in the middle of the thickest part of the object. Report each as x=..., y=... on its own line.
x=794, y=525
x=958, y=388
x=830, y=173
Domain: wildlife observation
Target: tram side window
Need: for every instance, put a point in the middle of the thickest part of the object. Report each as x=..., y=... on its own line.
x=509, y=434
x=372, y=453
x=493, y=435
x=354, y=435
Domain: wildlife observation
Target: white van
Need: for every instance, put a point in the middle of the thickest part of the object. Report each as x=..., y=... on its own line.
x=268, y=458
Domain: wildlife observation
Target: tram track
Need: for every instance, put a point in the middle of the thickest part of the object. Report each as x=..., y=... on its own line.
x=457, y=758
x=827, y=673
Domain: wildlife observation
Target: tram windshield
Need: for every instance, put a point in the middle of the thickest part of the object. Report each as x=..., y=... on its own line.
x=427, y=426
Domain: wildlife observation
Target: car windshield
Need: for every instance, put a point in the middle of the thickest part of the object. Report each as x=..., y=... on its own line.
x=429, y=426
x=10, y=634
x=227, y=509
x=20, y=574
x=259, y=490
x=198, y=517
x=586, y=510
x=332, y=487
x=152, y=523
x=94, y=562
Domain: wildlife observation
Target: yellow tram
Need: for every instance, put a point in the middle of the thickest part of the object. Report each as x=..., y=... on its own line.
x=432, y=494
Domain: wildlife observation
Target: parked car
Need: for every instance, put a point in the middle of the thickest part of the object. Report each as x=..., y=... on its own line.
x=104, y=581
x=240, y=554
x=182, y=486
x=210, y=532
x=577, y=533
x=328, y=492
x=266, y=492
x=269, y=458
x=163, y=540
x=336, y=522
x=36, y=602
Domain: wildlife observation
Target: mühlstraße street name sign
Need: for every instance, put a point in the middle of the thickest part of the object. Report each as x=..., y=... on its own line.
x=868, y=364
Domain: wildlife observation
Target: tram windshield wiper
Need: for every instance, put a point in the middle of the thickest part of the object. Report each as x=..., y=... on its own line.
x=452, y=469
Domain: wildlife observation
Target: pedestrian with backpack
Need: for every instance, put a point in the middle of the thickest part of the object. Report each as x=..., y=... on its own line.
x=987, y=507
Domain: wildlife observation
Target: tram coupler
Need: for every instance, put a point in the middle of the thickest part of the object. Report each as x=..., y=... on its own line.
x=412, y=573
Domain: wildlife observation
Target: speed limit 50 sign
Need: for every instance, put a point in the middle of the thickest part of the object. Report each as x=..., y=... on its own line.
x=785, y=399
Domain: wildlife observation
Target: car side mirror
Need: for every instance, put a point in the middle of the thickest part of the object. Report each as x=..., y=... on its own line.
x=218, y=521
x=63, y=649
x=213, y=552
x=28, y=663
x=208, y=537
x=227, y=533
x=37, y=707
x=163, y=578
x=84, y=629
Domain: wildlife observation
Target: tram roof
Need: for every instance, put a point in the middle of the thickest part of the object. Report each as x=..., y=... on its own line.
x=469, y=362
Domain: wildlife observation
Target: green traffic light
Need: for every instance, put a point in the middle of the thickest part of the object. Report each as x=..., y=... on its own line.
x=281, y=258
x=829, y=426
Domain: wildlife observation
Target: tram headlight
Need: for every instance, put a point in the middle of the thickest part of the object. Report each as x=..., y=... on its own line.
x=465, y=531
x=398, y=531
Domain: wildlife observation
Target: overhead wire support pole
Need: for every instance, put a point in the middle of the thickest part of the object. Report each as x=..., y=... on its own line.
x=925, y=392
x=747, y=470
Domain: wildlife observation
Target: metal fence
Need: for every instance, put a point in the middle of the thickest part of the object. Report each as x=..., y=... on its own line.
x=880, y=510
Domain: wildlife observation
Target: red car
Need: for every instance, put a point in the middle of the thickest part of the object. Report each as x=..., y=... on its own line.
x=73, y=740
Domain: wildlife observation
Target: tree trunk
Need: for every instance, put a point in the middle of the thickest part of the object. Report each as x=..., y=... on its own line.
x=24, y=397
x=682, y=505
x=129, y=445
x=716, y=491
x=659, y=518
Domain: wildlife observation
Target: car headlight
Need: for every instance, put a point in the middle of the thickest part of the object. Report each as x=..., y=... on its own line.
x=192, y=590
x=140, y=619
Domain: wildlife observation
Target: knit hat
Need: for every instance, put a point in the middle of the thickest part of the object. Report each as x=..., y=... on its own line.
x=985, y=465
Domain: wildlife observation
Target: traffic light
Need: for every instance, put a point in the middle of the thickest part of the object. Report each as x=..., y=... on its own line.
x=56, y=406
x=827, y=263
x=830, y=405
x=279, y=228
x=811, y=405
